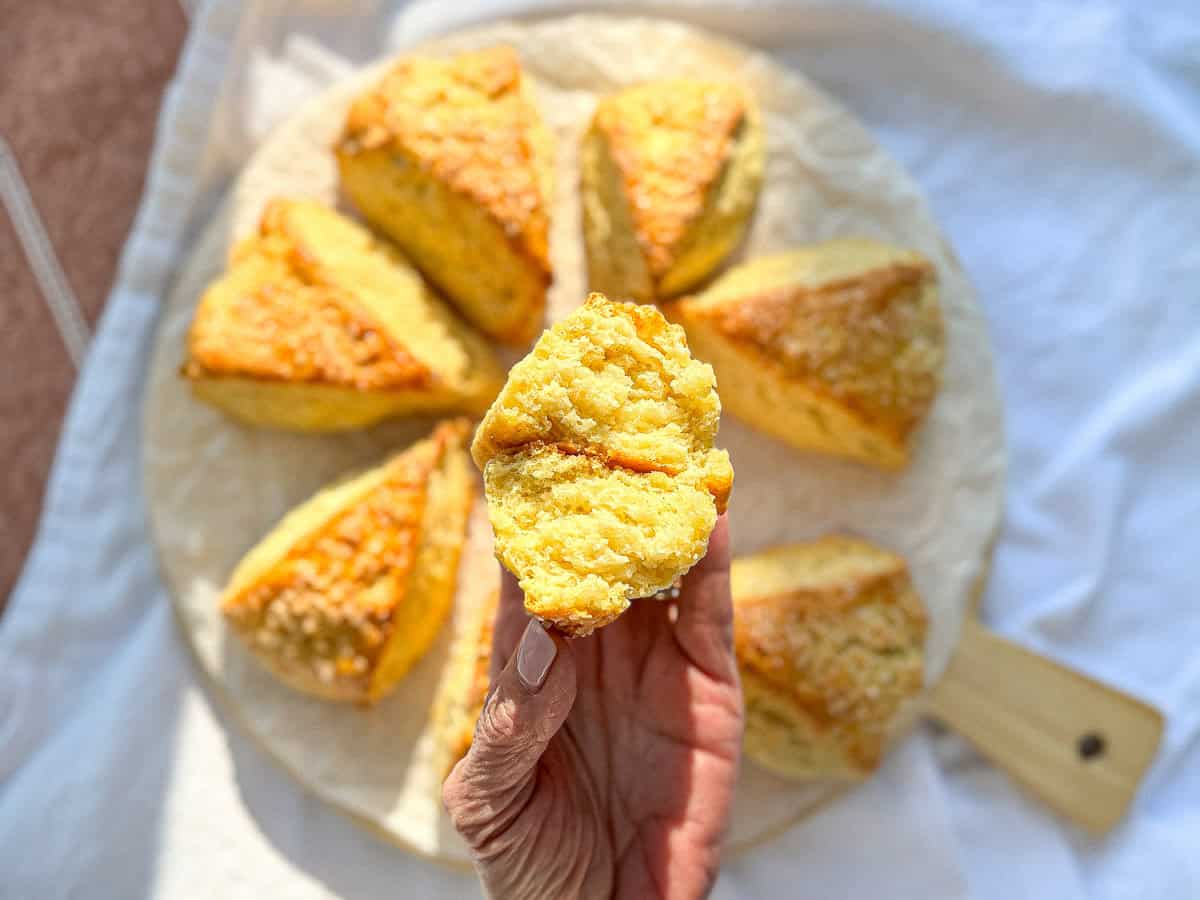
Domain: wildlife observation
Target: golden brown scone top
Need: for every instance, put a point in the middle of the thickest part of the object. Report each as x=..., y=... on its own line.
x=324, y=609
x=871, y=338
x=669, y=140
x=847, y=650
x=289, y=320
x=470, y=122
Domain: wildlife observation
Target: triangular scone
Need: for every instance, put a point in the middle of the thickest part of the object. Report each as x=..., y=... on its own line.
x=830, y=644
x=318, y=326
x=350, y=588
x=671, y=171
x=465, y=682
x=598, y=461
x=836, y=347
x=450, y=159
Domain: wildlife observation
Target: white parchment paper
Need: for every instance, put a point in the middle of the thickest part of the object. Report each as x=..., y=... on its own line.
x=215, y=487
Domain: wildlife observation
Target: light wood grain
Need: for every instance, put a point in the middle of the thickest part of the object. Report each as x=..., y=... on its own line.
x=1036, y=719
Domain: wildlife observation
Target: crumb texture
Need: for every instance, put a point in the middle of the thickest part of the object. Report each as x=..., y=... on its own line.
x=618, y=381
x=601, y=477
x=586, y=538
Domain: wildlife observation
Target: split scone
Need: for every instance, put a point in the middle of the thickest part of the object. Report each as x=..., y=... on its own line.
x=830, y=644
x=317, y=326
x=350, y=589
x=598, y=462
x=464, y=688
x=836, y=347
x=450, y=159
x=670, y=171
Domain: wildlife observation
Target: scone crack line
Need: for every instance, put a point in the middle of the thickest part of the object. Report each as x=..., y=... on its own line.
x=611, y=460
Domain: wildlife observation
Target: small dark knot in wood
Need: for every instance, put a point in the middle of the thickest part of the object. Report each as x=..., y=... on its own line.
x=1090, y=746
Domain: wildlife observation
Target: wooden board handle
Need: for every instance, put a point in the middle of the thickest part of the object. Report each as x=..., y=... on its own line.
x=1080, y=745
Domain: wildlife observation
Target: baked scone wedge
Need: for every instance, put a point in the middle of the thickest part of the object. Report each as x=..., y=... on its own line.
x=350, y=588
x=598, y=462
x=450, y=159
x=836, y=347
x=318, y=326
x=830, y=645
x=671, y=171
x=464, y=686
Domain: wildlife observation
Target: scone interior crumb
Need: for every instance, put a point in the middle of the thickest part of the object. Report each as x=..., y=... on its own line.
x=602, y=480
x=583, y=538
x=625, y=383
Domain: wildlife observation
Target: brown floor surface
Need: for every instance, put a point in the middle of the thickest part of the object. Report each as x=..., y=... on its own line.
x=80, y=88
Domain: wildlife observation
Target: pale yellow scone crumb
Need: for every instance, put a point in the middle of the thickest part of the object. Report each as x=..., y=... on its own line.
x=351, y=588
x=830, y=645
x=602, y=480
x=837, y=347
x=670, y=174
x=450, y=159
x=318, y=326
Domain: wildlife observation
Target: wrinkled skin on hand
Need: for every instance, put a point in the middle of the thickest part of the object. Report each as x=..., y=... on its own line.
x=615, y=777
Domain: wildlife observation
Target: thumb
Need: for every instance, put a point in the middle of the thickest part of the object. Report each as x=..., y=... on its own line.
x=528, y=704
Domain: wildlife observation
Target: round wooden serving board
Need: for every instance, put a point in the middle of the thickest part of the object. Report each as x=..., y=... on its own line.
x=215, y=487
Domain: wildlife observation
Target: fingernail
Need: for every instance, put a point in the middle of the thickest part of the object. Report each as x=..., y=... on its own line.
x=535, y=656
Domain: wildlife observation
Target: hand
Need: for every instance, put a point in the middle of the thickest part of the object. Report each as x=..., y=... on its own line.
x=605, y=766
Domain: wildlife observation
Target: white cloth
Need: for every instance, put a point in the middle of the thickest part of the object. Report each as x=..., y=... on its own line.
x=1060, y=145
